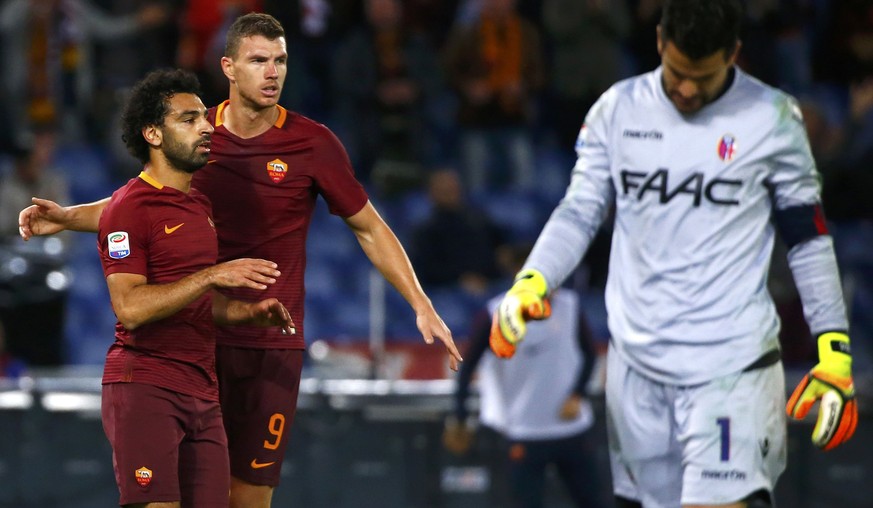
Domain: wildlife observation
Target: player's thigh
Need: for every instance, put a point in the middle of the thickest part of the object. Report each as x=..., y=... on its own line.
x=259, y=391
x=645, y=459
x=143, y=426
x=733, y=435
x=204, y=470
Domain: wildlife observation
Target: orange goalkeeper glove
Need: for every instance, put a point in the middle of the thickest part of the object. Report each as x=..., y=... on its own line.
x=831, y=382
x=524, y=301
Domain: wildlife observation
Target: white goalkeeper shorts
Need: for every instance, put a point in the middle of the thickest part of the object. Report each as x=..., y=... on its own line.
x=708, y=444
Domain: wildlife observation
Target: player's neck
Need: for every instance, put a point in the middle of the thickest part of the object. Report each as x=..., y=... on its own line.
x=247, y=121
x=162, y=172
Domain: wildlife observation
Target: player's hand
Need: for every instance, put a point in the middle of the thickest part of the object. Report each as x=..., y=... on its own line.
x=830, y=382
x=43, y=217
x=457, y=436
x=271, y=312
x=526, y=300
x=244, y=273
x=431, y=325
x=571, y=407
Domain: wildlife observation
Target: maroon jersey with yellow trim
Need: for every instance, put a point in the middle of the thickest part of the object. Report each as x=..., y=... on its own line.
x=163, y=234
x=263, y=191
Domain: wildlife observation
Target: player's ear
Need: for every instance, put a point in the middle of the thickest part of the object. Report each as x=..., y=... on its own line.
x=152, y=135
x=732, y=58
x=227, y=68
x=659, y=41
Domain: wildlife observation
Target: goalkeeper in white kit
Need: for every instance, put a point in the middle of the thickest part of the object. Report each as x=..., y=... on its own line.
x=702, y=163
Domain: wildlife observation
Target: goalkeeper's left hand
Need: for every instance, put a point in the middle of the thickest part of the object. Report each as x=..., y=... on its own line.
x=831, y=382
x=524, y=301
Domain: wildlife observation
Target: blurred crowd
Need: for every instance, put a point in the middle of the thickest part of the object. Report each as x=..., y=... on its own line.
x=459, y=102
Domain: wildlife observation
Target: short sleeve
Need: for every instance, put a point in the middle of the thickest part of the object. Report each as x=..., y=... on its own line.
x=335, y=178
x=123, y=238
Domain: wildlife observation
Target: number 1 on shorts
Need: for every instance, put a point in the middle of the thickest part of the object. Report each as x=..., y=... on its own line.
x=725, y=426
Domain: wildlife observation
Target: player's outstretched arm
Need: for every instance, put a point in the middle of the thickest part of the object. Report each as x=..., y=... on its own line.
x=45, y=217
x=136, y=302
x=387, y=255
x=265, y=313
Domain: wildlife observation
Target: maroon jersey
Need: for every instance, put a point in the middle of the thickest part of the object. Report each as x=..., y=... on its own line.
x=263, y=191
x=163, y=234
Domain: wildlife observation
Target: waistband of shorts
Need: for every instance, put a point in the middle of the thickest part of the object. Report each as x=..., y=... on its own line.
x=767, y=359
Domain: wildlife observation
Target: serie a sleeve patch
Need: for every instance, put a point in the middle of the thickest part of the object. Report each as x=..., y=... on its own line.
x=118, y=244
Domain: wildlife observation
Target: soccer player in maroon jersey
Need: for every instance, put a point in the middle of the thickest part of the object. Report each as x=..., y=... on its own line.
x=267, y=167
x=158, y=246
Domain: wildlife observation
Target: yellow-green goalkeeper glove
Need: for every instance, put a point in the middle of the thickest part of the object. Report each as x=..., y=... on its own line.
x=525, y=300
x=831, y=382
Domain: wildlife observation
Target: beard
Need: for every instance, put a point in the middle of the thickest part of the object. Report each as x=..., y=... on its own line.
x=184, y=158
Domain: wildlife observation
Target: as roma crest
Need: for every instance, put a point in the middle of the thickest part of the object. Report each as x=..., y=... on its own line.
x=277, y=170
x=143, y=476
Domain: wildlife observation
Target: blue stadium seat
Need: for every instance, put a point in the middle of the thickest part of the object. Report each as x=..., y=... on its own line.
x=87, y=171
x=519, y=213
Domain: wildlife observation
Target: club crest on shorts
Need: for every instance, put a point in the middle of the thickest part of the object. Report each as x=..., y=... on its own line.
x=143, y=476
x=277, y=170
x=727, y=148
x=119, y=244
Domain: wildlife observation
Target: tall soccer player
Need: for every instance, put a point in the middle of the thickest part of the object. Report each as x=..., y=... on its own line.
x=702, y=163
x=266, y=169
x=159, y=247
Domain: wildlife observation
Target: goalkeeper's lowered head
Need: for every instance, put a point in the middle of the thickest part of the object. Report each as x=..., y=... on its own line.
x=526, y=300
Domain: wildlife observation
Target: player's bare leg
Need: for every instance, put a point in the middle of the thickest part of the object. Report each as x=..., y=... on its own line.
x=248, y=495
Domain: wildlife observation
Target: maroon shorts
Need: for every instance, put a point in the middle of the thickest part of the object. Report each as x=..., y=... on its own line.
x=166, y=446
x=258, y=390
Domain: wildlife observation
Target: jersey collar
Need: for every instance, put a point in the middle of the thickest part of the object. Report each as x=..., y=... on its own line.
x=219, y=115
x=151, y=181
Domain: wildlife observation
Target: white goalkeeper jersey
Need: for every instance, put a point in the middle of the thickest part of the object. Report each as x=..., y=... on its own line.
x=686, y=295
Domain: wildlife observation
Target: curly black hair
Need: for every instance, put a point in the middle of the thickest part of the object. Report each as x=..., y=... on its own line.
x=253, y=23
x=699, y=28
x=148, y=104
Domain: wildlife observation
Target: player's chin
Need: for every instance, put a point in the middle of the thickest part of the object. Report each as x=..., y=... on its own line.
x=686, y=105
x=269, y=99
x=196, y=162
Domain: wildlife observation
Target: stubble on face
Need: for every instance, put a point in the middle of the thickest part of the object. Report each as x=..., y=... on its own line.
x=692, y=84
x=259, y=71
x=186, y=140
x=185, y=156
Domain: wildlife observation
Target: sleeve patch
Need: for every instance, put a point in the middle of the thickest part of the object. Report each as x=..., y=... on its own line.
x=118, y=244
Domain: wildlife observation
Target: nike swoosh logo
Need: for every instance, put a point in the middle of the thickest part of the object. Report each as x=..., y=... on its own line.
x=258, y=465
x=171, y=230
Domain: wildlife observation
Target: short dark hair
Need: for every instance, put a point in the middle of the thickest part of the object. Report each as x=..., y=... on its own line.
x=148, y=104
x=248, y=25
x=699, y=28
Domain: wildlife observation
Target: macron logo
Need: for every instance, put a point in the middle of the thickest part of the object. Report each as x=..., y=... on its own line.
x=636, y=134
